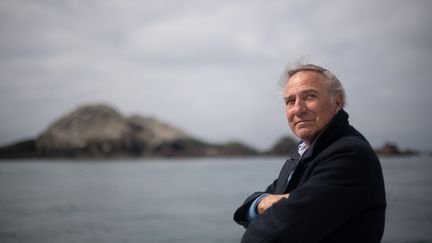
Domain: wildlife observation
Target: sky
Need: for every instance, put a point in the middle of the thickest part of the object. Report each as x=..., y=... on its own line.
x=212, y=68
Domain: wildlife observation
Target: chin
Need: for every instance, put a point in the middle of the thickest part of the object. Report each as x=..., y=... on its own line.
x=304, y=135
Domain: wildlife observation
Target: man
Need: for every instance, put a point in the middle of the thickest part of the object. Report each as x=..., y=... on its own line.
x=331, y=188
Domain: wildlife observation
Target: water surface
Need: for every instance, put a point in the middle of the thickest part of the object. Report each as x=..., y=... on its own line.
x=184, y=200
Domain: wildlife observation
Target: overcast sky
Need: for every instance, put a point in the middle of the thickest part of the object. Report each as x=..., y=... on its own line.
x=212, y=67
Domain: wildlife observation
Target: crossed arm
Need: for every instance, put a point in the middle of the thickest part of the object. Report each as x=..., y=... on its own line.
x=268, y=201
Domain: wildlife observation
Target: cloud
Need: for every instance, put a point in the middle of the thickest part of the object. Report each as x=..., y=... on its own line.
x=212, y=67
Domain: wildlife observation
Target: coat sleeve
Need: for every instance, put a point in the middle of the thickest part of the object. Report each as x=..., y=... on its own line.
x=335, y=190
x=240, y=215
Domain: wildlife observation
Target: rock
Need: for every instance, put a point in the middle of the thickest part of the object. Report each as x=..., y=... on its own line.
x=91, y=130
x=182, y=147
x=98, y=130
x=148, y=133
x=236, y=148
x=22, y=149
x=195, y=147
x=391, y=149
x=283, y=146
x=388, y=149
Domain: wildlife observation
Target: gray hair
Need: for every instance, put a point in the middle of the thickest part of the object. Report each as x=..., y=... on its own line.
x=332, y=81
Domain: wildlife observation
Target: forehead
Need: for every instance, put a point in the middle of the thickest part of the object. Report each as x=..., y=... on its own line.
x=305, y=80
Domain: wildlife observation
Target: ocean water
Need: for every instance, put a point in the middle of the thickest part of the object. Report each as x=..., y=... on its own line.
x=176, y=200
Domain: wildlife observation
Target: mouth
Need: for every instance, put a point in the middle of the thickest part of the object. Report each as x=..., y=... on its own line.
x=301, y=122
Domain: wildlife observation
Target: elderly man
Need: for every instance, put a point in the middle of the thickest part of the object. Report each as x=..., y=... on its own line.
x=331, y=188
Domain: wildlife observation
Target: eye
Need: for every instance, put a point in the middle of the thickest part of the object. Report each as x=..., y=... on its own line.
x=289, y=101
x=311, y=96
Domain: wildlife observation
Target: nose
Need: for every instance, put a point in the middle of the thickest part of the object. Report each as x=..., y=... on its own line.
x=299, y=106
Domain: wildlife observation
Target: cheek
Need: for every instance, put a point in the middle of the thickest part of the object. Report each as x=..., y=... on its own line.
x=321, y=108
x=314, y=107
x=324, y=115
x=289, y=114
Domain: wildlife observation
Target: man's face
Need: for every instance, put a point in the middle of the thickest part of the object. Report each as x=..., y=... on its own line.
x=308, y=104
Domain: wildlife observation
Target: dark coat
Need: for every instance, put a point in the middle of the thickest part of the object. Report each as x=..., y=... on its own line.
x=336, y=193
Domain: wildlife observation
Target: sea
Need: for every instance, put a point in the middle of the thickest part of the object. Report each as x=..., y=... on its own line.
x=173, y=200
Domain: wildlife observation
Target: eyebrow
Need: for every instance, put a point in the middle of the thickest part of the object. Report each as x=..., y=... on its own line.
x=307, y=91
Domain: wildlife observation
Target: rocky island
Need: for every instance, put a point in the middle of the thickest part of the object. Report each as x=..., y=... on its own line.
x=100, y=131
x=391, y=149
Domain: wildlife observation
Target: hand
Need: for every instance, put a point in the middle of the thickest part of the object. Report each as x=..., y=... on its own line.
x=268, y=201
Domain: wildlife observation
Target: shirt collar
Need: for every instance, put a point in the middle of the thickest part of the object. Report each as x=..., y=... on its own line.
x=302, y=148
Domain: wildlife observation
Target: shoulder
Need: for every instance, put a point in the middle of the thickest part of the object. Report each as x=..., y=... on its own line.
x=352, y=151
x=353, y=142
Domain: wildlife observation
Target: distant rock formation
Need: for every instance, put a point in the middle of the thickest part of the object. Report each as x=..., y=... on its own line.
x=236, y=148
x=99, y=130
x=19, y=150
x=91, y=130
x=391, y=149
x=147, y=135
x=283, y=146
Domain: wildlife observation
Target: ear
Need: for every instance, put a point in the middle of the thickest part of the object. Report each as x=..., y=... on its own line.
x=339, y=101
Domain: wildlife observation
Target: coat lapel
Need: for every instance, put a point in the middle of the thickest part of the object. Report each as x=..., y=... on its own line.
x=288, y=168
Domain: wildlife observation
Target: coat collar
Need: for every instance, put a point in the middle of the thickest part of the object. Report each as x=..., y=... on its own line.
x=333, y=129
